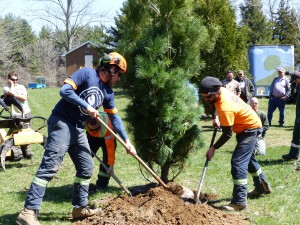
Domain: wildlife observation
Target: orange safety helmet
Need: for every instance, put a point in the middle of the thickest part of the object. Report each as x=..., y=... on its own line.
x=113, y=58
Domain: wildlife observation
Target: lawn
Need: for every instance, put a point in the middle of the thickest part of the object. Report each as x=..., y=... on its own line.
x=280, y=207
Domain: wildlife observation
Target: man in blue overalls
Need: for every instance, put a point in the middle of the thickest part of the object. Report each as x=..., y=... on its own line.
x=82, y=94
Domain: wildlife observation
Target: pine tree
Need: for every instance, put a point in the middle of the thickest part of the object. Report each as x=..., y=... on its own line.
x=19, y=34
x=286, y=27
x=230, y=50
x=162, y=42
x=259, y=28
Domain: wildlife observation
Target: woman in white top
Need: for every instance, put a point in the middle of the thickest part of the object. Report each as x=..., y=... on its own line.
x=17, y=96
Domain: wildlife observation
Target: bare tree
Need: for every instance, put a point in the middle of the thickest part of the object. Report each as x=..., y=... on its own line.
x=66, y=18
x=43, y=54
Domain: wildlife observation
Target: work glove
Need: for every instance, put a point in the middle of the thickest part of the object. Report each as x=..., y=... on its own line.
x=110, y=170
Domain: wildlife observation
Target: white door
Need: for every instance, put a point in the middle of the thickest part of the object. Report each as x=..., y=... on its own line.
x=88, y=61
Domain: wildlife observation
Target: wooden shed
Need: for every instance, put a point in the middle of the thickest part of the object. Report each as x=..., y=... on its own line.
x=81, y=56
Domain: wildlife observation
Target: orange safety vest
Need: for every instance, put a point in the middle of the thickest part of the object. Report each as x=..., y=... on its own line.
x=103, y=132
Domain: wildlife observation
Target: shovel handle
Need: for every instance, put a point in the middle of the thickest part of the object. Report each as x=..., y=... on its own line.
x=205, y=168
x=112, y=175
x=135, y=156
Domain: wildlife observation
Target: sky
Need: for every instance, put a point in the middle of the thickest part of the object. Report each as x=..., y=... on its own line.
x=22, y=8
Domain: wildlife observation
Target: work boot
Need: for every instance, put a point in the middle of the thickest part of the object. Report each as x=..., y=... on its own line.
x=103, y=187
x=255, y=193
x=266, y=186
x=102, y=183
x=84, y=212
x=261, y=189
x=234, y=207
x=92, y=188
x=28, y=217
x=26, y=151
x=288, y=157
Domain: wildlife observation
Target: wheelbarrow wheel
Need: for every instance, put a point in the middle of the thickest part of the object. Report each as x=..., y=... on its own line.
x=7, y=145
x=16, y=153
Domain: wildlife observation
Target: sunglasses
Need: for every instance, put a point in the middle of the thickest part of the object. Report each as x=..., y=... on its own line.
x=13, y=79
x=207, y=97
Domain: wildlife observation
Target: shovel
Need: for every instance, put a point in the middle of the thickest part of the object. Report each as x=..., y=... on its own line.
x=135, y=156
x=112, y=175
x=198, y=201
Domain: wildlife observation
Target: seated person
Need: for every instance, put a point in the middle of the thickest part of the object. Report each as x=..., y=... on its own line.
x=15, y=96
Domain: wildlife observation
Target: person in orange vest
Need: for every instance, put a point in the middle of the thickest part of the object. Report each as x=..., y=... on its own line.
x=99, y=136
x=235, y=116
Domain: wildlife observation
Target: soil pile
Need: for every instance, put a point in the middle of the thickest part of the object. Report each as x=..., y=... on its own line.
x=159, y=206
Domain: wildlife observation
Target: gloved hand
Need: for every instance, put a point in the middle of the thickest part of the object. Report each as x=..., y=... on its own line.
x=130, y=148
x=110, y=170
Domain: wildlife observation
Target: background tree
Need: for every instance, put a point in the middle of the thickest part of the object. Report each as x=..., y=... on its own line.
x=259, y=27
x=42, y=59
x=19, y=33
x=45, y=33
x=230, y=50
x=285, y=25
x=67, y=19
x=286, y=30
x=164, y=46
x=5, y=50
x=15, y=34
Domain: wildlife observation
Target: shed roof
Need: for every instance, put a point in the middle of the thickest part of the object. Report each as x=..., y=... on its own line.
x=73, y=49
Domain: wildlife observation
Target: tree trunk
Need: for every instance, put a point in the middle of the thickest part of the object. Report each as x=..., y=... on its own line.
x=165, y=172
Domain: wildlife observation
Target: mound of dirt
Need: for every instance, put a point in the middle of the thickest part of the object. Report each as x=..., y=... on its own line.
x=156, y=205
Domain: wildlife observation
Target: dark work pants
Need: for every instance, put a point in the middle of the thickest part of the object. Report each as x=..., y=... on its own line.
x=243, y=161
x=275, y=103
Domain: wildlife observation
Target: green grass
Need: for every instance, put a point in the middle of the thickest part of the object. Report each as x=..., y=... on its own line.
x=281, y=207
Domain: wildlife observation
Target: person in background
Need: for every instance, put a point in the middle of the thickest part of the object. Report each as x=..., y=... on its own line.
x=295, y=144
x=238, y=117
x=247, y=88
x=279, y=91
x=17, y=95
x=82, y=94
x=99, y=136
x=231, y=84
x=260, y=147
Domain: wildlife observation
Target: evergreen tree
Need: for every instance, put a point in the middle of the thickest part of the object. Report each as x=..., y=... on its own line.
x=5, y=54
x=98, y=35
x=19, y=33
x=230, y=50
x=286, y=28
x=162, y=42
x=259, y=28
x=45, y=33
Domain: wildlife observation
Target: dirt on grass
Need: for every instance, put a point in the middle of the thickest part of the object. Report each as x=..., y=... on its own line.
x=155, y=205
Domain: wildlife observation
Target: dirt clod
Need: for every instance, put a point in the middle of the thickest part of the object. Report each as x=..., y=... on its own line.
x=158, y=206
